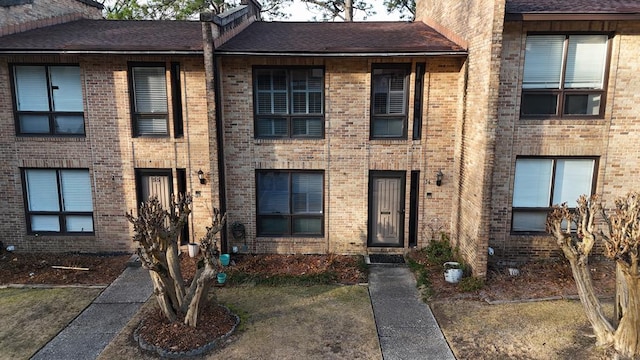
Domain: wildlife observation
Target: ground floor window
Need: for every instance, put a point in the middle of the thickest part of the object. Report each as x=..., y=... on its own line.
x=58, y=200
x=290, y=203
x=541, y=183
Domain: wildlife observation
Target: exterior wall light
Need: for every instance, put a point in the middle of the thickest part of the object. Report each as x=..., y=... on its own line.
x=201, y=177
x=439, y=176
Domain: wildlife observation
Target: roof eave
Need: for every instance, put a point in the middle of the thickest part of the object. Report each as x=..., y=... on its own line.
x=344, y=54
x=571, y=16
x=99, y=52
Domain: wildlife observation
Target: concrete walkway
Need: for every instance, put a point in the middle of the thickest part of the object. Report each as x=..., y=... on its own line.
x=406, y=327
x=89, y=333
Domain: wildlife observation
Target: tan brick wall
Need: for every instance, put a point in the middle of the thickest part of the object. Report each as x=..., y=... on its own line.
x=478, y=25
x=40, y=13
x=613, y=139
x=109, y=152
x=345, y=154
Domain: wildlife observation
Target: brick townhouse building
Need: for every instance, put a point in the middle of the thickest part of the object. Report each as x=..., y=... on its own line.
x=317, y=137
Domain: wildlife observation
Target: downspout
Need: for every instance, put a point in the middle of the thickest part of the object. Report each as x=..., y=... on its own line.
x=222, y=189
x=211, y=60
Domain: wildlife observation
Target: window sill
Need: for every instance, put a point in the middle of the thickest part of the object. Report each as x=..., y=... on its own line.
x=378, y=141
x=288, y=140
x=51, y=138
x=563, y=121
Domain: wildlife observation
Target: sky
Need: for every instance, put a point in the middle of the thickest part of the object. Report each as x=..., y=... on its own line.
x=299, y=12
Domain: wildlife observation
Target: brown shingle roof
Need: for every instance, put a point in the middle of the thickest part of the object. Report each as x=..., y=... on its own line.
x=573, y=6
x=109, y=36
x=339, y=38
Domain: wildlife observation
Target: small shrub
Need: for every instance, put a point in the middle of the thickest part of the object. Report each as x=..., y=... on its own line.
x=423, y=280
x=471, y=283
x=440, y=251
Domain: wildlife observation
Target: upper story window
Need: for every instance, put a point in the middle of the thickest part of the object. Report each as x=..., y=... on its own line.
x=541, y=183
x=48, y=100
x=290, y=203
x=564, y=76
x=148, y=86
x=289, y=103
x=389, y=101
x=58, y=200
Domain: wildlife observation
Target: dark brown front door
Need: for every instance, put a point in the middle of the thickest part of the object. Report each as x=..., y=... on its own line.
x=386, y=208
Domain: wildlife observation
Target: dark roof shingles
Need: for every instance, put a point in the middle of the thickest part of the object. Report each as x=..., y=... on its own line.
x=573, y=6
x=109, y=35
x=339, y=37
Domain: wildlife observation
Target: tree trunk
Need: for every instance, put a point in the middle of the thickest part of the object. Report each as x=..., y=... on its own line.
x=348, y=10
x=601, y=326
x=627, y=336
x=191, y=318
x=163, y=295
x=173, y=263
x=622, y=294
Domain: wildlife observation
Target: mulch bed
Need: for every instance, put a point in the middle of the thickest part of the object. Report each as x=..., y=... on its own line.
x=36, y=268
x=551, y=278
x=214, y=322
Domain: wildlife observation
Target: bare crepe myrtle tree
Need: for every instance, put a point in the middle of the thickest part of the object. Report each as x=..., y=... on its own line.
x=157, y=232
x=576, y=232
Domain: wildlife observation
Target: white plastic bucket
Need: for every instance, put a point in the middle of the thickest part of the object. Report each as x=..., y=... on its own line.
x=452, y=272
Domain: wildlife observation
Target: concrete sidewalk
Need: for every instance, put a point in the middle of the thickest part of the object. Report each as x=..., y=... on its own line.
x=406, y=327
x=89, y=333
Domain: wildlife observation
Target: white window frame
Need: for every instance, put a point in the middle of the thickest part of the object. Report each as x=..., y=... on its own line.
x=48, y=99
x=561, y=69
x=58, y=201
x=542, y=182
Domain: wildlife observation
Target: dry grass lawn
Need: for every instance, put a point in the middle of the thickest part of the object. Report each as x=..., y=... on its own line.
x=284, y=322
x=31, y=317
x=527, y=330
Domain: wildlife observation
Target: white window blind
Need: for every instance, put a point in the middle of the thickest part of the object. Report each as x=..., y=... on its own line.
x=66, y=88
x=150, y=89
x=46, y=187
x=79, y=223
x=45, y=223
x=573, y=178
x=31, y=88
x=36, y=124
x=586, y=59
x=532, y=186
x=42, y=190
x=307, y=193
x=76, y=190
x=543, y=61
x=152, y=126
x=272, y=92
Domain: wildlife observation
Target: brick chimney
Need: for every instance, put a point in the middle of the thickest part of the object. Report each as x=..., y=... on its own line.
x=22, y=15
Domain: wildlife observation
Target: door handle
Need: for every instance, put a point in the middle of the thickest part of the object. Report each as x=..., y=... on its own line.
x=385, y=212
